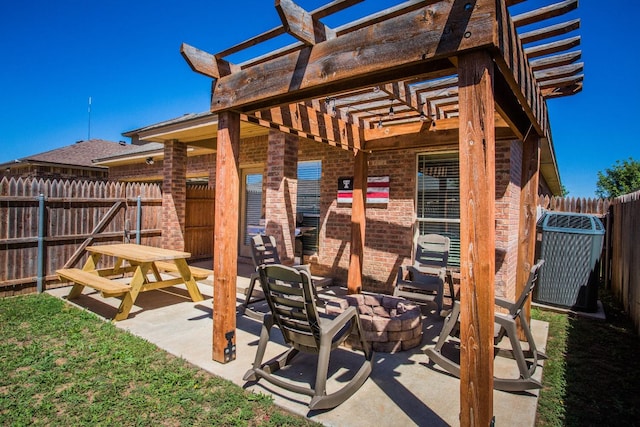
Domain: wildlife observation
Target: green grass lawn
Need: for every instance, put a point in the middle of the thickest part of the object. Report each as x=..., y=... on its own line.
x=63, y=366
x=592, y=376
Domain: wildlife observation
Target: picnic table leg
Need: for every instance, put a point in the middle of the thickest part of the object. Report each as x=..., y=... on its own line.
x=92, y=262
x=137, y=281
x=75, y=291
x=186, y=275
x=89, y=265
x=156, y=272
x=117, y=265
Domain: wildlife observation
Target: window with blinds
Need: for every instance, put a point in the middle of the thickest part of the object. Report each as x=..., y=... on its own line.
x=438, y=199
x=253, y=206
x=308, y=205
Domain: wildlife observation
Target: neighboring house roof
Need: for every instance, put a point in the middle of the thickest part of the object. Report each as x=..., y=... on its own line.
x=80, y=154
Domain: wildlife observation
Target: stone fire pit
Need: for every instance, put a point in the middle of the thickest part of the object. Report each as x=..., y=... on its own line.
x=390, y=324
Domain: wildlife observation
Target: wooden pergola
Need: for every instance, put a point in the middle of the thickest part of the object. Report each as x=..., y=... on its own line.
x=419, y=74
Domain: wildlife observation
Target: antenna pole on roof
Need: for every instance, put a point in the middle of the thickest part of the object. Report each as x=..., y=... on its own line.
x=89, y=127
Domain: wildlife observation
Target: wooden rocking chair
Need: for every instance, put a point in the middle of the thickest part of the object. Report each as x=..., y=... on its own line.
x=289, y=293
x=505, y=324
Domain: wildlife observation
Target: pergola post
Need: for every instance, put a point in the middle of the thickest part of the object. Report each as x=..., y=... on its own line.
x=527, y=221
x=225, y=245
x=477, y=237
x=358, y=222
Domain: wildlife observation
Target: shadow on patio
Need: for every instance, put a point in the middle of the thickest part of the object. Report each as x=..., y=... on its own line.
x=403, y=389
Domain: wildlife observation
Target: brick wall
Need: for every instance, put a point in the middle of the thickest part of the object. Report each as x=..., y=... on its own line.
x=137, y=172
x=508, y=177
x=389, y=232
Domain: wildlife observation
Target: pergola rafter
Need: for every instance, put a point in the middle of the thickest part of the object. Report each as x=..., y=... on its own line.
x=422, y=73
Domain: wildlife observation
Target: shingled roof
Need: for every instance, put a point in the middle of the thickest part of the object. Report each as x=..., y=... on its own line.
x=80, y=154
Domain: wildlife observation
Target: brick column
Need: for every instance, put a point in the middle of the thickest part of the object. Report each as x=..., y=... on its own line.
x=281, y=191
x=174, y=195
x=508, y=176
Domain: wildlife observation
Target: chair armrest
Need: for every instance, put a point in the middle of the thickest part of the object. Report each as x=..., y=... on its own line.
x=303, y=267
x=504, y=303
x=402, y=273
x=338, y=323
x=441, y=272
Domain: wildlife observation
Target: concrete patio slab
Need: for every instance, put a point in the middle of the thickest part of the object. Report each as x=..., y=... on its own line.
x=404, y=388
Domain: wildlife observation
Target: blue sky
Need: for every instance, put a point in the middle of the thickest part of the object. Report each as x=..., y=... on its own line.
x=125, y=56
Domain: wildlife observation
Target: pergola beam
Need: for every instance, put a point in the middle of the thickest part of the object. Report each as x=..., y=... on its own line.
x=558, y=72
x=553, y=47
x=301, y=24
x=546, y=12
x=357, y=59
x=310, y=123
x=555, y=61
x=550, y=31
x=205, y=63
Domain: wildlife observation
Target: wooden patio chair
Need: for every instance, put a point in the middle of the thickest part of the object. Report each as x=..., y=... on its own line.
x=263, y=252
x=289, y=293
x=505, y=324
x=424, y=280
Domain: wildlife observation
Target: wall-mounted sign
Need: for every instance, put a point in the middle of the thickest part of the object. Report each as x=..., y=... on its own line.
x=377, y=189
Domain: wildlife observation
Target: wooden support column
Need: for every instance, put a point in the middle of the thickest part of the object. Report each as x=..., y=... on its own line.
x=225, y=245
x=358, y=222
x=527, y=220
x=477, y=237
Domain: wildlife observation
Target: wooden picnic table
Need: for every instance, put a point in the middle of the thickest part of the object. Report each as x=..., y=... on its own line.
x=141, y=261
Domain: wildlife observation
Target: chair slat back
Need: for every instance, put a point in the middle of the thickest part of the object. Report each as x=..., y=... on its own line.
x=432, y=251
x=290, y=296
x=264, y=250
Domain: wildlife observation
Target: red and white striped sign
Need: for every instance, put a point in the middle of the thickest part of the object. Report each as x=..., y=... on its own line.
x=377, y=189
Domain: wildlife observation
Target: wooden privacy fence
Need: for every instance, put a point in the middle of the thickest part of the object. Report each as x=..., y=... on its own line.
x=198, y=233
x=45, y=225
x=622, y=266
x=575, y=205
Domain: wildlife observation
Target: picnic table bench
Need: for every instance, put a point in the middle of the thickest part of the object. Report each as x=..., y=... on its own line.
x=107, y=287
x=198, y=273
